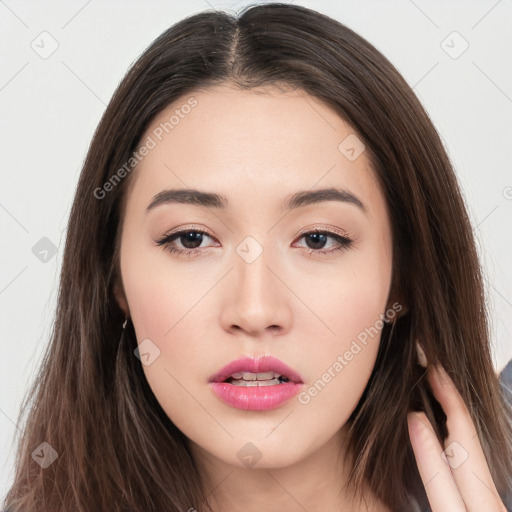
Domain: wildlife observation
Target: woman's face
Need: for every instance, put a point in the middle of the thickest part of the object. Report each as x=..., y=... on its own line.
x=259, y=282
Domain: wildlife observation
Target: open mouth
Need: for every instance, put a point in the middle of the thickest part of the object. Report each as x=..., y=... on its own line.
x=256, y=383
x=256, y=379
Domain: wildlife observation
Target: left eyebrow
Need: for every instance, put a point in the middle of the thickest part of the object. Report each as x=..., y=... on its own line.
x=211, y=200
x=307, y=197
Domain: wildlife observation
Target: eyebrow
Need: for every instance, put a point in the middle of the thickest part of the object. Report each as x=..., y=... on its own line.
x=212, y=200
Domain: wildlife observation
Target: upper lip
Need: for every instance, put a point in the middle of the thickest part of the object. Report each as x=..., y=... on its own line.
x=256, y=365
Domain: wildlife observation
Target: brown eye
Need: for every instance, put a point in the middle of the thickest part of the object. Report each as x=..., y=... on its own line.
x=317, y=240
x=189, y=239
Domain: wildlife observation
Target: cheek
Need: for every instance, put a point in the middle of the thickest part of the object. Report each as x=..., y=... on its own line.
x=352, y=308
x=355, y=299
x=165, y=310
x=361, y=302
x=160, y=297
x=341, y=364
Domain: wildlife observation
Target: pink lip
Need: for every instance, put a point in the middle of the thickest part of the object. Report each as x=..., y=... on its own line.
x=257, y=398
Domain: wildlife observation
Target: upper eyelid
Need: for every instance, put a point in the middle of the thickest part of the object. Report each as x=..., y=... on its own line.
x=180, y=231
x=317, y=228
x=331, y=231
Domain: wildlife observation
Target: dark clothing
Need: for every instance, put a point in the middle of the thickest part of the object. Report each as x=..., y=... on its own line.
x=506, y=386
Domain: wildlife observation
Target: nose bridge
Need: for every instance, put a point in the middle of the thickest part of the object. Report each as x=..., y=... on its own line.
x=254, y=279
x=258, y=297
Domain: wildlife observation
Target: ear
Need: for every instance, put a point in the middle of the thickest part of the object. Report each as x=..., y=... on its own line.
x=397, y=300
x=121, y=298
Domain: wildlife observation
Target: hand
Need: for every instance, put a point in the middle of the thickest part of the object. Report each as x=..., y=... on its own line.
x=456, y=477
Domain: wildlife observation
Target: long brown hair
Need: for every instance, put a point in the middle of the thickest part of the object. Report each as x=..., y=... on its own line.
x=117, y=449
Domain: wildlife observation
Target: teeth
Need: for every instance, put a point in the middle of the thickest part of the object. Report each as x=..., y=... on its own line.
x=251, y=383
x=249, y=376
x=267, y=376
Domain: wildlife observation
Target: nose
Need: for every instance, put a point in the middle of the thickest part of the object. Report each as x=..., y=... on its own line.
x=257, y=299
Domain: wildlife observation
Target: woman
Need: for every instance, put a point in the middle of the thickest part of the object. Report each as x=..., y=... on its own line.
x=270, y=293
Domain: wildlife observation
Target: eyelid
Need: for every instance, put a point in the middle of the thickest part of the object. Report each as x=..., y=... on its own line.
x=324, y=228
x=192, y=227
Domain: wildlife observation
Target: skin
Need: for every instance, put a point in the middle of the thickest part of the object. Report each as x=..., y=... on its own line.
x=201, y=312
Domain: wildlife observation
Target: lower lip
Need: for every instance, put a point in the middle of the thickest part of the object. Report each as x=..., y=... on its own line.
x=255, y=398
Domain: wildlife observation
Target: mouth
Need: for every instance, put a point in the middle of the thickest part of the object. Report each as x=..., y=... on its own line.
x=256, y=370
x=256, y=384
x=250, y=379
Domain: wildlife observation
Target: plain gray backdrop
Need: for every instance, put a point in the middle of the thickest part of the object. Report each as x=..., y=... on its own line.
x=61, y=62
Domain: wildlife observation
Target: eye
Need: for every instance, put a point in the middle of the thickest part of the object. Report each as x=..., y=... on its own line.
x=190, y=240
x=318, y=238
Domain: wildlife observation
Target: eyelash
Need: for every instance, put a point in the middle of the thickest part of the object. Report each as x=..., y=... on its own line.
x=166, y=242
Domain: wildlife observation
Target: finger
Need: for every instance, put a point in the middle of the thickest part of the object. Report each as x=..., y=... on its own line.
x=462, y=449
x=442, y=492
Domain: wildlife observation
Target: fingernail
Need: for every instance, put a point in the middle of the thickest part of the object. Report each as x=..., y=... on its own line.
x=422, y=359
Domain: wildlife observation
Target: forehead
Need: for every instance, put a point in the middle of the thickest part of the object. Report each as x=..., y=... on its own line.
x=259, y=144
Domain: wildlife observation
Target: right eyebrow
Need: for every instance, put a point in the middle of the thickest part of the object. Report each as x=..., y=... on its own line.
x=188, y=196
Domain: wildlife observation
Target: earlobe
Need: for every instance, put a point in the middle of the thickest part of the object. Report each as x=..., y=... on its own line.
x=397, y=301
x=396, y=308
x=403, y=309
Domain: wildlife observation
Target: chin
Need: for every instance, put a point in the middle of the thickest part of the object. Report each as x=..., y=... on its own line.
x=261, y=452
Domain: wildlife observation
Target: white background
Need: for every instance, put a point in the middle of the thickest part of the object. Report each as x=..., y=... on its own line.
x=50, y=108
